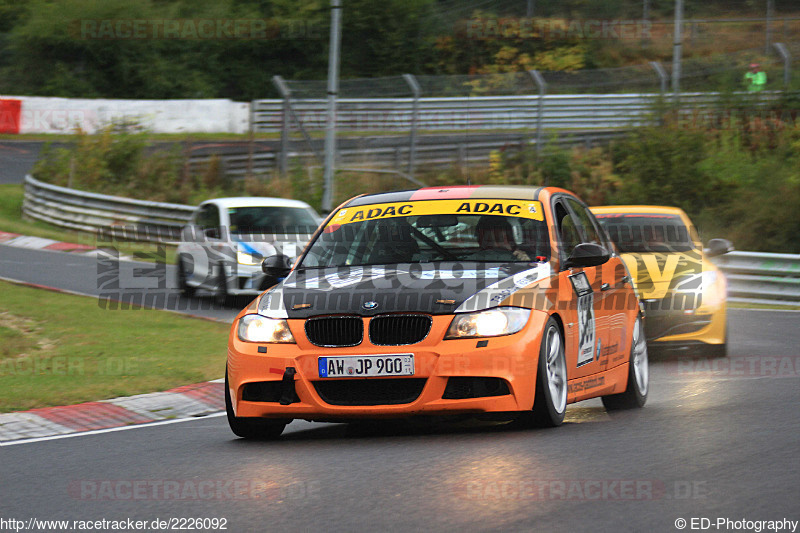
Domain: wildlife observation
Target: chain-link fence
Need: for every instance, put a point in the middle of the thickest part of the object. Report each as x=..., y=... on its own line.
x=397, y=124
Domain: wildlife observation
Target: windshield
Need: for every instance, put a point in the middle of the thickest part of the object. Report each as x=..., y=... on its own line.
x=266, y=219
x=421, y=232
x=641, y=233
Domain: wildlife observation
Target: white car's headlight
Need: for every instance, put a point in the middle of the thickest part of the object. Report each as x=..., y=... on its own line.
x=258, y=328
x=489, y=323
x=244, y=257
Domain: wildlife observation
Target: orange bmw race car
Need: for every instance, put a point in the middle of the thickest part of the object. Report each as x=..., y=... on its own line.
x=459, y=300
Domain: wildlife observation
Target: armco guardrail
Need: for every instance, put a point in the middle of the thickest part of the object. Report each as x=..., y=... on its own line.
x=110, y=216
x=559, y=112
x=757, y=277
x=752, y=276
x=379, y=151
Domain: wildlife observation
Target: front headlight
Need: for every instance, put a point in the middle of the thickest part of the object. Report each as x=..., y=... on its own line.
x=258, y=328
x=709, y=288
x=489, y=323
x=248, y=258
x=697, y=283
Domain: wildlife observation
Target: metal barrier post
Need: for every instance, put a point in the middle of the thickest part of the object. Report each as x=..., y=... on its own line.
x=787, y=62
x=662, y=76
x=542, y=86
x=412, y=149
x=286, y=94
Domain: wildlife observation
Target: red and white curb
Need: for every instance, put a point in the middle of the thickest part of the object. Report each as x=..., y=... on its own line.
x=189, y=401
x=39, y=243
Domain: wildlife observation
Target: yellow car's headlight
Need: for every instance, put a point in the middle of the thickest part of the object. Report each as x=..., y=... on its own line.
x=710, y=287
x=489, y=323
x=259, y=328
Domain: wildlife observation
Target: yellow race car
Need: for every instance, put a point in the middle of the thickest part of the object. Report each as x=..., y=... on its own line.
x=684, y=294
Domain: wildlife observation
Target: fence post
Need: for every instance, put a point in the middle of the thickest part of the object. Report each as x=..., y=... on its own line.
x=662, y=76
x=787, y=62
x=286, y=94
x=542, y=86
x=412, y=149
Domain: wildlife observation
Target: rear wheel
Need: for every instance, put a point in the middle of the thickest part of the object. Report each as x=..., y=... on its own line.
x=638, y=385
x=251, y=428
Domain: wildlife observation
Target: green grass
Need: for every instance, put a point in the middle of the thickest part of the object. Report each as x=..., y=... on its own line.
x=11, y=220
x=52, y=358
x=743, y=305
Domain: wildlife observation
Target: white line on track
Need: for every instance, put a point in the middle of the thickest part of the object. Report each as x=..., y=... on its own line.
x=109, y=430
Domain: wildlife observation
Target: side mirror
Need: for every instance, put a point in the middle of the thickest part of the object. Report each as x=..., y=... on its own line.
x=587, y=254
x=276, y=266
x=718, y=247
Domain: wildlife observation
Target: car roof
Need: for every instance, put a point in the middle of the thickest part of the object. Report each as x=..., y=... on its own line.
x=639, y=209
x=456, y=192
x=255, y=201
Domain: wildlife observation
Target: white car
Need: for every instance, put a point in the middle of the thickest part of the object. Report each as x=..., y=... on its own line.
x=226, y=240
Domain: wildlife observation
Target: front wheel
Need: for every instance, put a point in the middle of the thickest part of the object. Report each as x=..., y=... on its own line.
x=550, y=401
x=221, y=296
x=186, y=289
x=638, y=385
x=251, y=428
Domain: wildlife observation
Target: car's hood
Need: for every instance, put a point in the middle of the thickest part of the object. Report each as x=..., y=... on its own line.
x=436, y=288
x=655, y=273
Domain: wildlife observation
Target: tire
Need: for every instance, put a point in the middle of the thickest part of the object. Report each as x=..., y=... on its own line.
x=186, y=289
x=717, y=350
x=550, y=400
x=638, y=384
x=221, y=296
x=251, y=428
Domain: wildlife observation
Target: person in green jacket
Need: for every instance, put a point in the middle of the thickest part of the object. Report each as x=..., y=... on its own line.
x=756, y=78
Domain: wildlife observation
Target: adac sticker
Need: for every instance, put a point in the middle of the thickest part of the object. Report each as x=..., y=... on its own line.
x=515, y=208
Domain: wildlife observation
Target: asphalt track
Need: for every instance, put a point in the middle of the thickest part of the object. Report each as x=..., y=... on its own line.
x=717, y=439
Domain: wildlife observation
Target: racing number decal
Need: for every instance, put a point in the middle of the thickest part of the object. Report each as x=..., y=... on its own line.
x=586, y=324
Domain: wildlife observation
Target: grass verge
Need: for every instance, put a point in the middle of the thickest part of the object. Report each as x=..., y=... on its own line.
x=744, y=305
x=48, y=358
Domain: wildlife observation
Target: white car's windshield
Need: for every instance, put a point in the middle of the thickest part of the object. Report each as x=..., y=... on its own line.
x=266, y=219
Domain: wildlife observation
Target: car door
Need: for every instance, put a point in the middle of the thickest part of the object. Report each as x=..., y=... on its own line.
x=611, y=294
x=579, y=290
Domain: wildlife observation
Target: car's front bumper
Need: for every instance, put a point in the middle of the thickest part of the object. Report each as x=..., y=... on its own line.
x=675, y=326
x=502, y=367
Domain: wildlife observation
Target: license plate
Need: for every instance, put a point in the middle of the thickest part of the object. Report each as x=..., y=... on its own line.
x=361, y=366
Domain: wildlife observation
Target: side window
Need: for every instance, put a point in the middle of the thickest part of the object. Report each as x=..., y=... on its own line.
x=208, y=217
x=567, y=228
x=590, y=231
